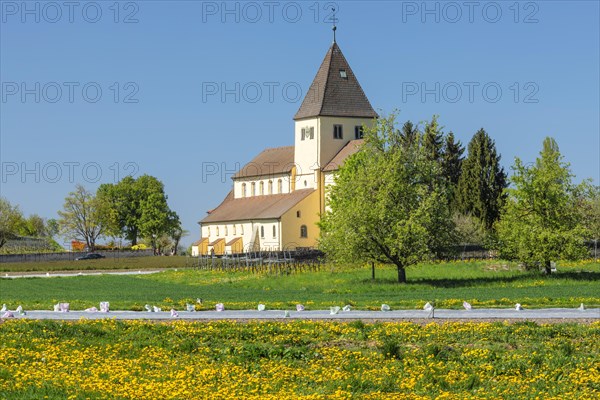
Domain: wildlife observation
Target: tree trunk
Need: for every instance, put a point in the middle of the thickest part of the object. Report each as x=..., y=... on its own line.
x=372, y=270
x=547, y=268
x=401, y=274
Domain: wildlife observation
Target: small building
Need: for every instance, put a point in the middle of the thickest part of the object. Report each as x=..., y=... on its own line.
x=277, y=199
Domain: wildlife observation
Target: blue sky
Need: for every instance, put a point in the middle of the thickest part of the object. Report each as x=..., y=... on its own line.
x=96, y=90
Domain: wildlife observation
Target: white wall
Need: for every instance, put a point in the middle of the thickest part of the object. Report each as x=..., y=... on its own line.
x=247, y=230
x=238, y=185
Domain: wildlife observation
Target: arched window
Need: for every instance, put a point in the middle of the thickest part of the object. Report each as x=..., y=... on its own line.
x=217, y=231
x=226, y=230
x=270, y=187
x=262, y=232
x=279, y=186
x=234, y=230
x=274, y=231
x=208, y=231
x=253, y=189
x=262, y=188
x=243, y=190
x=303, y=231
x=241, y=229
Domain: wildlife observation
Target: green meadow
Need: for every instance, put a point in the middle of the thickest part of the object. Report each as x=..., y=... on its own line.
x=447, y=285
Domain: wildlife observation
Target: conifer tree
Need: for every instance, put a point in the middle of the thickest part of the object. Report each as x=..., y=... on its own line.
x=482, y=181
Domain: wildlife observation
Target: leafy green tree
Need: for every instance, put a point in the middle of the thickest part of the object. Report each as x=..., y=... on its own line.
x=388, y=204
x=120, y=206
x=589, y=208
x=482, y=181
x=34, y=226
x=469, y=229
x=541, y=222
x=11, y=221
x=52, y=227
x=135, y=208
x=156, y=218
x=80, y=217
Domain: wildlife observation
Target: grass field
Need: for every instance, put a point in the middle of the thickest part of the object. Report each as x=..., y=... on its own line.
x=483, y=284
x=134, y=263
x=311, y=360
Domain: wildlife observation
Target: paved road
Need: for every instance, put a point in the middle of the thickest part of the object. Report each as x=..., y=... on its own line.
x=475, y=314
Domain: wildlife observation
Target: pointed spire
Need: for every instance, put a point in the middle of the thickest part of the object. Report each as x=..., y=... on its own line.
x=335, y=91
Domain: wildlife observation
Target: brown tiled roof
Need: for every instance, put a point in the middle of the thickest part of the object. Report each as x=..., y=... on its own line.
x=350, y=148
x=279, y=160
x=256, y=207
x=332, y=95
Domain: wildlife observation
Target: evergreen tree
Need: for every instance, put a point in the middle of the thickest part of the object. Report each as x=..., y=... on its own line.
x=482, y=181
x=409, y=135
x=433, y=140
x=452, y=160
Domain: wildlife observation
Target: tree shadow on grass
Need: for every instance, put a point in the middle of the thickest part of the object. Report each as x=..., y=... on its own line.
x=490, y=280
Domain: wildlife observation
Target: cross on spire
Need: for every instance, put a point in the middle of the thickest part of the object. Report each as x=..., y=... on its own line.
x=333, y=20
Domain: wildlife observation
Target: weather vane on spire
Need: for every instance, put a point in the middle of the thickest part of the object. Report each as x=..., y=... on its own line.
x=333, y=21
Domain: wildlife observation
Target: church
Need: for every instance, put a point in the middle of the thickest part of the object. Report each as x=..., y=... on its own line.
x=277, y=198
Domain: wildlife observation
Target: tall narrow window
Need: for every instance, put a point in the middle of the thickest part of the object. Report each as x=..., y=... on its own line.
x=358, y=132
x=274, y=231
x=253, y=189
x=270, y=187
x=338, y=132
x=241, y=229
x=234, y=230
x=303, y=231
x=262, y=188
x=208, y=231
x=303, y=134
x=226, y=230
x=243, y=190
x=298, y=214
x=217, y=231
x=262, y=232
x=279, y=186
x=312, y=132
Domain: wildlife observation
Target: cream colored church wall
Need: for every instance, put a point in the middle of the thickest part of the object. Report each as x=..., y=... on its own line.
x=309, y=216
x=329, y=146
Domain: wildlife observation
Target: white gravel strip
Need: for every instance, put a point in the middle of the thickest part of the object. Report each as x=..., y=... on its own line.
x=71, y=274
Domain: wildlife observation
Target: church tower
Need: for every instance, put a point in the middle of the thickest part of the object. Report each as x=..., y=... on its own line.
x=332, y=113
